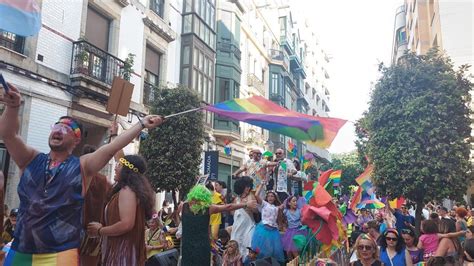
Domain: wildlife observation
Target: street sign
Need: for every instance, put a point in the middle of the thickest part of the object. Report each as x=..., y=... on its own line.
x=211, y=161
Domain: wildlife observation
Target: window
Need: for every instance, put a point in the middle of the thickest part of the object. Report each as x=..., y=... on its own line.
x=157, y=6
x=152, y=66
x=186, y=55
x=187, y=5
x=12, y=41
x=97, y=29
x=224, y=89
x=187, y=23
x=185, y=76
x=283, y=26
x=274, y=87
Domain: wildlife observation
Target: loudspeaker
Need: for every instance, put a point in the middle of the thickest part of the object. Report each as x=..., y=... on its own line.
x=165, y=258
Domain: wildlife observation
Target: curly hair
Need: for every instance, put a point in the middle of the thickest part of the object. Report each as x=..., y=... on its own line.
x=383, y=240
x=241, y=184
x=138, y=183
x=461, y=212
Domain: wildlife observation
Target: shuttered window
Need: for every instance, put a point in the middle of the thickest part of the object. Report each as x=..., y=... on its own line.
x=97, y=29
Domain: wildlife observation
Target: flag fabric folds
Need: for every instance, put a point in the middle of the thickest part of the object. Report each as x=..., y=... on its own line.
x=336, y=177
x=365, y=179
x=258, y=111
x=20, y=17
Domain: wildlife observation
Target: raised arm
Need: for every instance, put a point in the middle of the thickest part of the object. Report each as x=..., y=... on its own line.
x=257, y=193
x=240, y=170
x=21, y=153
x=231, y=207
x=93, y=162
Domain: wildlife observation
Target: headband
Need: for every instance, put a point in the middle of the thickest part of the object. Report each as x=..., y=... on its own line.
x=72, y=124
x=126, y=163
x=391, y=230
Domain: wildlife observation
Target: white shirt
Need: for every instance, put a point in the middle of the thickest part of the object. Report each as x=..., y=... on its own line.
x=282, y=185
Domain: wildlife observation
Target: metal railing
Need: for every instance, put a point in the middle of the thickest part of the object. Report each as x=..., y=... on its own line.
x=255, y=82
x=280, y=57
x=12, y=41
x=94, y=62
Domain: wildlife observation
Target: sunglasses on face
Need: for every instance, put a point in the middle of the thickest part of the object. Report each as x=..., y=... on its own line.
x=278, y=152
x=61, y=128
x=391, y=238
x=365, y=247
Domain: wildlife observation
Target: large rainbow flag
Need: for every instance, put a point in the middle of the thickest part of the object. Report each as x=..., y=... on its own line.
x=20, y=17
x=258, y=111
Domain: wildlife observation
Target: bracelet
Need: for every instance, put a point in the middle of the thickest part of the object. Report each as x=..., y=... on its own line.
x=98, y=231
x=141, y=123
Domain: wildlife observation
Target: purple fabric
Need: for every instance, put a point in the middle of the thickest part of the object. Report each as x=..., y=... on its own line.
x=287, y=238
x=349, y=218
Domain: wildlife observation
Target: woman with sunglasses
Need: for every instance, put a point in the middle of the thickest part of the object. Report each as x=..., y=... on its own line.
x=393, y=251
x=366, y=251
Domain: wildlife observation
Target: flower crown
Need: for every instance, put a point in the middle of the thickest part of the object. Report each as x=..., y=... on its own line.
x=126, y=163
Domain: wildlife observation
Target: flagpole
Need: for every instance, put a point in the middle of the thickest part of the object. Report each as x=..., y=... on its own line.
x=231, y=163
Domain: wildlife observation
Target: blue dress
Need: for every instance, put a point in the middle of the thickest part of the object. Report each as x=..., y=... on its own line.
x=397, y=260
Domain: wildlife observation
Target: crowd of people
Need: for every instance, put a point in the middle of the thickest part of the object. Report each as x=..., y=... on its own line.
x=388, y=236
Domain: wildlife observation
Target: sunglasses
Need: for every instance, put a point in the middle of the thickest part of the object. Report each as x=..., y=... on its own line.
x=408, y=232
x=278, y=152
x=391, y=238
x=63, y=129
x=365, y=247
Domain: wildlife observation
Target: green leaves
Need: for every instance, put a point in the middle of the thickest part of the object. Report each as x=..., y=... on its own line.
x=416, y=125
x=173, y=150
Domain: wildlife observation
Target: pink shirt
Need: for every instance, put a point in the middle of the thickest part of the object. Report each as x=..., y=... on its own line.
x=430, y=243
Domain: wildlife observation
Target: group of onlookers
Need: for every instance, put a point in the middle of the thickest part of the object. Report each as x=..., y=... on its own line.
x=443, y=240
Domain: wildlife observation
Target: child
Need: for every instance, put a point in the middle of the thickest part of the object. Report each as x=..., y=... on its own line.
x=429, y=239
x=293, y=216
x=266, y=235
x=218, y=247
x=251, y=257
x=232, y=255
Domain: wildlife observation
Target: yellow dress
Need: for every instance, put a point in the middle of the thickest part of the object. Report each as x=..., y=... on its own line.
x=216, y=218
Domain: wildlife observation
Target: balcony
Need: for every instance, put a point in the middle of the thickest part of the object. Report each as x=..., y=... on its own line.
x=228, y=128
x=279, y=57
x=277, y=98
x=94, y=65
x=228, y=47
x=255, y=82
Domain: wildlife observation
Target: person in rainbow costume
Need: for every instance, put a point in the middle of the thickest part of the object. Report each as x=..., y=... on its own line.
x=52, y=186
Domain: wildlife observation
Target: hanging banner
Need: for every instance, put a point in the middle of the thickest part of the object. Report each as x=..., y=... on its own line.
x=211, y=161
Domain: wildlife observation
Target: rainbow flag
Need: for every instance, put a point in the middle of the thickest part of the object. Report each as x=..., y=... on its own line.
x=356, y=199
x=396, y=203
x=258, y=111
x=365, y=180
x=22, y=17
x=67, y=257
x=336, y=177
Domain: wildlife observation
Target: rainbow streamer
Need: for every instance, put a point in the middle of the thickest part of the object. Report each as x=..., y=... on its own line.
x=396, y=203
x=356, y=199
x=336, y=177
x=365, y=180
x=20, y=17
x=292, y=148
x=258, y=111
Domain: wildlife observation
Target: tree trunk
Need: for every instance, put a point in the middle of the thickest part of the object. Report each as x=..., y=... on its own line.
x=175, y=200
x=418, y=213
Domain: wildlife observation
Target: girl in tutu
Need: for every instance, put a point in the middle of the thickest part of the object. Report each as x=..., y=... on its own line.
x=266, y=236
x=293, y=216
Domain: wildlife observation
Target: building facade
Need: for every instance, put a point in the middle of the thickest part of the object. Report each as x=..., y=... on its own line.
x=68, y=68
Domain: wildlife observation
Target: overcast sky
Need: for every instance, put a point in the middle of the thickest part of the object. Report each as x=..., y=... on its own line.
x=357, y=35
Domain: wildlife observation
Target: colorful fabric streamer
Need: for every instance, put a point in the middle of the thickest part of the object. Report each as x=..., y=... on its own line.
x=336, y=177
x=396, y=203
x=258, y=111
x=292, y=149
x=324, y=177
x=365, y=180
x=20, y=17
x=356, y=199
x=371, y=204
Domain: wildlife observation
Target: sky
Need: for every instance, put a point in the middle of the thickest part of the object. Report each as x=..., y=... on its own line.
x=358, y=36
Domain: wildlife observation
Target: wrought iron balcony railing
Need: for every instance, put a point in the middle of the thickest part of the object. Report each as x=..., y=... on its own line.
x=94, y=62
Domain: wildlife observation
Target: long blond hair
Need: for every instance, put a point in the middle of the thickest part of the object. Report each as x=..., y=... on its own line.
x=372, y=242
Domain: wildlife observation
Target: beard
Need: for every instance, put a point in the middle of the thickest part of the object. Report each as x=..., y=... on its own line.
x=58, y=147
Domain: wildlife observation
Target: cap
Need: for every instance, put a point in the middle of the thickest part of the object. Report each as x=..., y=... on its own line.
x=256, y=250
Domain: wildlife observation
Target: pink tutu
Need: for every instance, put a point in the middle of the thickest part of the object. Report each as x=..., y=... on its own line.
x=287, y=239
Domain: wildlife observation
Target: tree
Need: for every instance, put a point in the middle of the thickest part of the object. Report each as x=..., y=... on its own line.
x=351, y=168
x=419, y=128
x=173, y=150
x=361, y=130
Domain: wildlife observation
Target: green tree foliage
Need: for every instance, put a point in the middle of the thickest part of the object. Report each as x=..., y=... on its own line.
x=362, y=135
x=419, y=129
x=173, y=150
x=351, y=168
